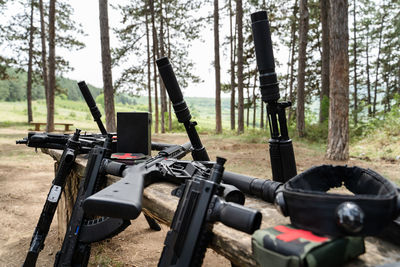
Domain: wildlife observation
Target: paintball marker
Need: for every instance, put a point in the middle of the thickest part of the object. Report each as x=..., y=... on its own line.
x=46, y=217
x=123, y=199
x=87, y=141
x=181, y=109
x=82, y=231
x=280, y=145
x=199, y=206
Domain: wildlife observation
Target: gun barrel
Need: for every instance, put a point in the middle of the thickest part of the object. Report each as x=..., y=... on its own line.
x=92, y=106
x=169, y=80
x=262, y=188
x=265, y=56
x=237, y=216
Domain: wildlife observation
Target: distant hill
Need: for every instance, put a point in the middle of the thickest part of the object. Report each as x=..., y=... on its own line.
x=14, y=89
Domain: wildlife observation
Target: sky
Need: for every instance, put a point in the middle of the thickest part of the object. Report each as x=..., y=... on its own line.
x=87, y=61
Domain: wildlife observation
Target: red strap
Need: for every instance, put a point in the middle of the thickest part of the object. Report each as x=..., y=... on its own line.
x=290, y=234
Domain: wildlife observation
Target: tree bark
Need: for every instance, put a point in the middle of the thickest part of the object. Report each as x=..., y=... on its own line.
x=377, y=66
x=44, y=54
x=232, y=55
x=355, y=94
x=254, y=98
x=239, y=21
x=29, y=81
x=324, y=11
x=218, y=122
x=52, y=67
x=106, y=66
x=368, y=76
x=338, y=137
x=148, y=59
x=163, y=92
x=293, y=46
x=155, y=49
x=303, y=32
x=262, y=115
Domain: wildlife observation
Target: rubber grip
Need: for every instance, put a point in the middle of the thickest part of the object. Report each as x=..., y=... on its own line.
x=122, y=199
x=168, y=76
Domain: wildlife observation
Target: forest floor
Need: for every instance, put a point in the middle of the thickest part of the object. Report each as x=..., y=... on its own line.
x=25, y=178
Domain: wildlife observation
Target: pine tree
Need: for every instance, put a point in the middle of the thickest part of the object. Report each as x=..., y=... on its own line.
x=338, y=137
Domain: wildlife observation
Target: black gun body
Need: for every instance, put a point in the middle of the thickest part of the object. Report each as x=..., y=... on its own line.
x=199, y=206
x=283, y=162
x=50, y=206
x=87, y=141
x=181, y=109
x=123, y=199
x=75, y=250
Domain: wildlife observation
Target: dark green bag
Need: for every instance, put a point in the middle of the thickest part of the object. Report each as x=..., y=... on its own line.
x=287, y=246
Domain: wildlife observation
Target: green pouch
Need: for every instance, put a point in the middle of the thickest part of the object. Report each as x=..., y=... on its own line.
x=287, y=246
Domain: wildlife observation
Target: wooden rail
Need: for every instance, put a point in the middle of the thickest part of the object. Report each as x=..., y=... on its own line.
x=232, y=244
x=38, y=124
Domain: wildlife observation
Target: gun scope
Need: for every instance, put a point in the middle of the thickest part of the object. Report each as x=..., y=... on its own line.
x=265, y=56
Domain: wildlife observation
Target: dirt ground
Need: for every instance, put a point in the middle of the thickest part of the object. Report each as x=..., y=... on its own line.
x=25, y=178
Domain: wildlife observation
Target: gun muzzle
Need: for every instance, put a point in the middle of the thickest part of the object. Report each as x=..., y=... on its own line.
x=236, y=216
x=265, y=56
x=92, y=106
x=174, y=91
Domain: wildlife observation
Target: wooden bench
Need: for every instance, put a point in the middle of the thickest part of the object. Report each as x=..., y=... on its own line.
x=38, y=124
x=232, y=244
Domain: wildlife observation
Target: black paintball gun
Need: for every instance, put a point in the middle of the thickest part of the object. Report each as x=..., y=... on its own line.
x=181, y=109
x=199, y=206
x=280, y=145
x=83, y=230
x=46, y=217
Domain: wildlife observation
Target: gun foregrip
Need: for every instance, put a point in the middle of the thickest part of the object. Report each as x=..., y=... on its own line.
x=122, y=199
x=283, y=162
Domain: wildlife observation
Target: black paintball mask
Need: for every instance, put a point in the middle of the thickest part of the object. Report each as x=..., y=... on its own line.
x=372, y=206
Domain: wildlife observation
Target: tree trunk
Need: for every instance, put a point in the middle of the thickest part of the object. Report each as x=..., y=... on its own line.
x=52, y=67
x=338, y=137
x=293, y=46
x=303, y=32
x=169, y=115
x=155, y=49
x=262, y=115
x=248, y=105
x=355, y=115
x=29, y=81
x=239, y=21
x=324, y=95
x=254, y=98
x=106, y=66
x=44, y=54
x=148, y=59
x=163, y=92
x=218, y=122
x=377, y=66
x=368, y=78
x=231, y=43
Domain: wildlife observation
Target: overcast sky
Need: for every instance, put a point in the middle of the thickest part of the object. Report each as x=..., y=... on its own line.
x=87, y=61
